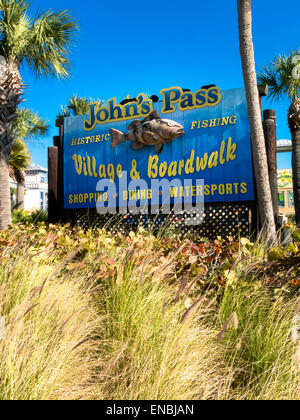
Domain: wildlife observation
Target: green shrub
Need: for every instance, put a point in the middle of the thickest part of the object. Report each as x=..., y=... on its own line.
x=22, y=216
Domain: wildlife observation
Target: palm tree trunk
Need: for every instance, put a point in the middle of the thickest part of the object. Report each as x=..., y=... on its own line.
x=294, y=124
x=5, y=206
x=20, y=196
x=256, y=127
x=10, y=92
x=20, y=178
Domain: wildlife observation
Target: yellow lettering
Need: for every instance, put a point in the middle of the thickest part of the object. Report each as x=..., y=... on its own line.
x=225, y=120
x=229, y=189
x=231, y=149
x=78, y=163
x=206, y=190
x=163, y=169
x=213, y=160
x=89, y=166
x=152, y=166
x=244, y=188
x=172, y=169
x=181, y=166
x=214, y=188
x=119, y=170
x=111, y=171
x=102, y=171
x=189, y=167
x=202, y=163
x=222, y=150
x=221, y=189
x=199, y=190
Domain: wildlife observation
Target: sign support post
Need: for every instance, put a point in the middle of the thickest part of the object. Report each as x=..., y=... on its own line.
x=269, y=124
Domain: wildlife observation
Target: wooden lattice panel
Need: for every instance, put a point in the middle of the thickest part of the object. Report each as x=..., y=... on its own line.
x=215, y=220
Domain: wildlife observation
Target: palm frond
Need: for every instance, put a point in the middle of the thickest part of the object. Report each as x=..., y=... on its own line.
x=64, y=112
x=20, y=156
x=78, y=105
x=42, y=42
x=29, y=124
x=14, y=26
x=49, y=44
x=279, y=77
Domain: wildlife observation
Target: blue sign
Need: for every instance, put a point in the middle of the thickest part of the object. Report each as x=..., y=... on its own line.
x=183, y=138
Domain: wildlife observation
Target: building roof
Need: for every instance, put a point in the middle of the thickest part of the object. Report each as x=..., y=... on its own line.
x=35, y=167
x=284, y=145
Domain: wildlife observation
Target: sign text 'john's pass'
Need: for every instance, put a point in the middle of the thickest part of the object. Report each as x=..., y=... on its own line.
x=195, y=144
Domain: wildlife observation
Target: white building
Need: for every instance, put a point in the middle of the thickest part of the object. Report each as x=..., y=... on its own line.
x=13, y=191
x=36, y=188
x=284, y=146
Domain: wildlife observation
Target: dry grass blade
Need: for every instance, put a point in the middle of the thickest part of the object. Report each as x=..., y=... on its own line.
x=190, y=312
x=164, y=307
x=232, y=319
x=30, y=309
x=210, y=304
x=183, y=283
x=191, y=286
x=60, y=266
x=82, y=342
x=142, y=272
x=67, y=321
x=113, y=362
x=235, y=321
x=35, y=291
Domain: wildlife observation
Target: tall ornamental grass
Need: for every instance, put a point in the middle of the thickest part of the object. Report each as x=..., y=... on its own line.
x=49, y=348
x=91, y=315
x=153, y=347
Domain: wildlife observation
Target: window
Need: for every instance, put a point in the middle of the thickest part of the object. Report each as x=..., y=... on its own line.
x=281, y=199
x=42, y=201
x=291, y=199
x=43, y=179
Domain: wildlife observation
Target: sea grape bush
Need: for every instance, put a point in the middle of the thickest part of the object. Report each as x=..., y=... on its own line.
x=192, y=266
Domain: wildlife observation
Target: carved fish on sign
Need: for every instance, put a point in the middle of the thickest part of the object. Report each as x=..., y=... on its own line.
x=152, y=131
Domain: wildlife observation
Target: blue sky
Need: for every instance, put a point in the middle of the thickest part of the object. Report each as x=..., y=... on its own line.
x=128, y=47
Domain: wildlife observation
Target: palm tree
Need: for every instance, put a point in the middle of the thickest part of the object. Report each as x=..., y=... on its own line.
x=42, y=44
x=20, y=159
x=282, y=80
x=78, y=105
x=256, y=128
x=27, y=125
